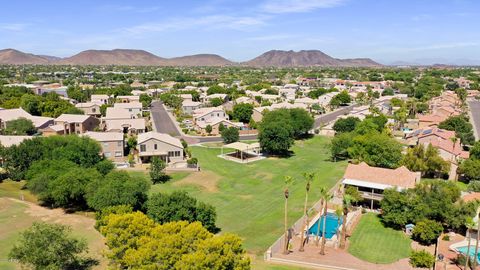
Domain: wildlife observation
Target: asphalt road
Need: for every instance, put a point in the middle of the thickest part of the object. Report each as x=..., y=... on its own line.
x=475, y=113
x=161, y=121
x=326, y=118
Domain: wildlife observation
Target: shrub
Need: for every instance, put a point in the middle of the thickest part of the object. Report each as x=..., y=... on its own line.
x=421, y=259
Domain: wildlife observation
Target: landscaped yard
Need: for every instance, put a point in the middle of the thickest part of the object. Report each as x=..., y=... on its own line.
x=373, y=242
x=249, y=197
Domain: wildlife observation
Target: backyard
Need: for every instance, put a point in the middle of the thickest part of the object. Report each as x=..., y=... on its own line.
x=249, y=197
x=373, y=242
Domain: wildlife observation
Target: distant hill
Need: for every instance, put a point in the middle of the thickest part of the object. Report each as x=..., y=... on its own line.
x=14, y=57
x=303, y=58
x=124, y=57
x=129, y=57
x=199, y=60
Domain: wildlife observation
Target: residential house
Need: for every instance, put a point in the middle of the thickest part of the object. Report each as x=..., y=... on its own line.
x=13, y=114
x=127, y=99
x=126, y=126
x=7, y=141
x=215, y=123
x=89, y=108
x=204, y=114
x=372, y=181
x=187, y=97
x=100, y=99
x=112, y=144
x=154, y=144
x=134, y=108
x=71, y=124
x=188, y=107
x=118, y=113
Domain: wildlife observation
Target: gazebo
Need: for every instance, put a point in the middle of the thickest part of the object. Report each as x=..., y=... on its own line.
x=244, y=152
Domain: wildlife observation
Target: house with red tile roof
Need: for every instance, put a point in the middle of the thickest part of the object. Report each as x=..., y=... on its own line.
x=372, y=181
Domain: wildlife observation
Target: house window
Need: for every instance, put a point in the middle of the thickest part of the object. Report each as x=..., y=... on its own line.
x=130, y=110
x=77, y=124
x=119, y=143
x=105, y=144
x=155, y=146
x=177, y=153
x=118, y=153
x=94, y=110
x=107, y=154
x=171, y=153
x=143, y=148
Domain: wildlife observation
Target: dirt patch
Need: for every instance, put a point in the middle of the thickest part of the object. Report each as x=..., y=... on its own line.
x=264, y=175
x=206, y=180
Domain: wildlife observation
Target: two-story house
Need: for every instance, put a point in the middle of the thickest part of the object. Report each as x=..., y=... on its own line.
x=89, y=108
x=71, y=124
x=112, y=144
x=154, y=144
x=134, y=108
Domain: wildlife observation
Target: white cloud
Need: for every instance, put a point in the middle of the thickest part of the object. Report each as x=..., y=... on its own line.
x=206, y=22
x=15, y=27
x=297, y=6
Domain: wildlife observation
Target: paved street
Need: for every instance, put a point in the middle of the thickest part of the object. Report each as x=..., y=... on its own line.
x=161, y=121
x=326, y=118
x=475, y=114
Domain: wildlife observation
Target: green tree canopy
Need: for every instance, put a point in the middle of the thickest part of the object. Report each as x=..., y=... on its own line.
x=230, y=135
x=242, y=112
x=20, y=126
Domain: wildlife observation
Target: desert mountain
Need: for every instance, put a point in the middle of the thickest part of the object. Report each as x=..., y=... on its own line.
x=113, y=57
x=199, y=60
x=278, y=58
x=14, y=57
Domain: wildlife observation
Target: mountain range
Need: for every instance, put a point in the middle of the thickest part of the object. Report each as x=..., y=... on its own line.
x=127, y=57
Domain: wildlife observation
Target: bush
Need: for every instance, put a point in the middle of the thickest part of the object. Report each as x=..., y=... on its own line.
x=230, y=135
x=192, y=161
x=422, y=259
x=105, y=166
x=427, y=231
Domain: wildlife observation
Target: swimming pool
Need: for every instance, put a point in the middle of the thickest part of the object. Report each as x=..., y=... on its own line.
x=332, y=226
x=463, y=250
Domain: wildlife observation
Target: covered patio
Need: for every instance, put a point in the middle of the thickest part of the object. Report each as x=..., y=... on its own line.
x=244, y=152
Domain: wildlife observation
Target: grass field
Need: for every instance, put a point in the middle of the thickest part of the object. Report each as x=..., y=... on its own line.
x=16, y=216
x=249, y=197
x=373, y=242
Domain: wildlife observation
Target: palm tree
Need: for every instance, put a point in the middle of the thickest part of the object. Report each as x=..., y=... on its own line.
x=308, y=180
x=338, y=213
x=327, y=197
x=469, y=224
x=323, y=192
x=347, y=203
x=288, y=182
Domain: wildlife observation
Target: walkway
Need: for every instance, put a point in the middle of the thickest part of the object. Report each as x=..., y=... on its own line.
x=474, y=106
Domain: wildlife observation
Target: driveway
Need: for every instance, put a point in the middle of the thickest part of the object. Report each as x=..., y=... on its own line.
x=161, y=120
x=475, y=115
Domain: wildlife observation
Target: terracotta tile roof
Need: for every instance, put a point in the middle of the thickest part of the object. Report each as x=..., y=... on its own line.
x=449, y=147
x=400, y=177
x=474, y=196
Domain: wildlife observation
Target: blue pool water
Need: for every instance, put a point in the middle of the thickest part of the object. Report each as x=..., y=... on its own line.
x=332, y=226
x=463, y=250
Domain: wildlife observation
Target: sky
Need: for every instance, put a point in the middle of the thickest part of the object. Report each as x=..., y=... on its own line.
x=420, y=31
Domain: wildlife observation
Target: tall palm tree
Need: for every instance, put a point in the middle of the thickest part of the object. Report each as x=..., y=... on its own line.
x=308, y=180
x=323, y=192
x=286, y=193
x=469, y=224
x=327, y=197
x=338, y=213
x=347, y=203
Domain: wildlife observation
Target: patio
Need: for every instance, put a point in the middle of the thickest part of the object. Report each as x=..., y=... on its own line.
x=244, y=152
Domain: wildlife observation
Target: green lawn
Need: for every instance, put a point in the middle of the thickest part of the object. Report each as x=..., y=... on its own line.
x=249, y=197
x=373, y=242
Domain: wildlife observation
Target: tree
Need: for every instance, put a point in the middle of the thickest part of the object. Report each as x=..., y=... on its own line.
x=230, y=135
x=117, y=188
x=340, y=144
x=428, y=161
x=157, y=167
x=178, y=206
x=208, y=129
x=421, y=259
x=470, y=168
x=309, y=177
x=286, y=193
x=31, y=104
x=275, y=137
x=469, y=224
x=463, y=129
x=326, y=196
x=346, y=124
x=215, y=102
x=50, y=246
x=376, y=150
x=243, y=112
x=301, y=122
x=343, y=98
x=20, y=126
x=475, y=150
x=388, y=92
x=146, y=100
x=105, y=166
x=427, y=231
x=137, y=242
